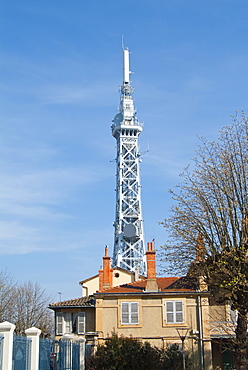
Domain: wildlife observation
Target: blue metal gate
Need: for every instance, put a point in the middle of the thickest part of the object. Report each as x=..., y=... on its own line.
x=21, y=353
x=45, y=354
x=76, y=356
x=67, y=355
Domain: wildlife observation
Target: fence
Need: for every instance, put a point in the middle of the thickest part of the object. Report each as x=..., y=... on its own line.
x=45, y=351
x=70, y=355
x=33, y=353
x=21, y=355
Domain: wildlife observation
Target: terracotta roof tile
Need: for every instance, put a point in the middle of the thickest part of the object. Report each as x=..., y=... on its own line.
x=77, y=302
x=167, y=284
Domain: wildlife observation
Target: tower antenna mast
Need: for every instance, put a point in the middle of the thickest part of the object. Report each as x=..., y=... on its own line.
x=129, y=248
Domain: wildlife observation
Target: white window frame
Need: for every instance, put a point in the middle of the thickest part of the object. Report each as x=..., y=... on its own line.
x=81, y=323
x=59, y=323
x=68, y=322
x=64, y=322
x=173, y=313
x=129, y=313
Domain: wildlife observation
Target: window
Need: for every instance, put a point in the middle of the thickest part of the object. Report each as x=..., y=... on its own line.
x=81, y=323
x=129, y=313
x=59, y=323
x=174, y=312
x=70, y=322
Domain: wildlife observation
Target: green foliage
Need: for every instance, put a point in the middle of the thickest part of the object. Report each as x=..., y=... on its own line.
x=173, y=358
x=124, y=353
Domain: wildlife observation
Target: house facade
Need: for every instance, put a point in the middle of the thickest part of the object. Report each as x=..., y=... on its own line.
x=162, y=310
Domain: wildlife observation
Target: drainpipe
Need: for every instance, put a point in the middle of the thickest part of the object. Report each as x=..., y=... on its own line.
x=201, y=349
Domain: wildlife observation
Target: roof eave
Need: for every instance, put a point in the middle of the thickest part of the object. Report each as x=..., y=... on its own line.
x=74, y=306
x=145, y=293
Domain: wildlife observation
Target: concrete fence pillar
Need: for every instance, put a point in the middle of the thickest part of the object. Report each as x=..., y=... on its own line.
x=67, y=350
x=81, y=342
x=34, y=334
x=7, y=330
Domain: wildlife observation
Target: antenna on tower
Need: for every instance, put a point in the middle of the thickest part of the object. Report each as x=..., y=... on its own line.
x=126, y=71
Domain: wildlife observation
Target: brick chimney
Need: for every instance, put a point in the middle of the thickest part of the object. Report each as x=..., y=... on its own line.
x=200, y=248
x=105, y=275
x=151, y=285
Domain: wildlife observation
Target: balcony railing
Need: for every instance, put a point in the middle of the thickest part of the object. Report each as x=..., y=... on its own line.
x=222, y=329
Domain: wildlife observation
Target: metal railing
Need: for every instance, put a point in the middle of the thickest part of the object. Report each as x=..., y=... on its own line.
x=21, y=353
x=45, y=351
x=68, y=355
x=222, y=328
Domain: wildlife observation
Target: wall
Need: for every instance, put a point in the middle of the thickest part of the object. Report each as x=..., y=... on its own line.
x=119, y=277
x=152, y=325
x=89, y=318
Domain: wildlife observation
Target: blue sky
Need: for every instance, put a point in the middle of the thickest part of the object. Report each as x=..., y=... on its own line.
x=61, y=68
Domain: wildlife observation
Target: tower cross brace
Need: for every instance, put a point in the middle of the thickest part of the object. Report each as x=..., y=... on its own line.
x=129, y=248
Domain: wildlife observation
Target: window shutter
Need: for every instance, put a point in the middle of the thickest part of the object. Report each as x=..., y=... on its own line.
x=59, y=323
x=68, y=322
x=169, y=312
x=124, y=312
x=134, y=313
x=81, y=322
x=179, y=312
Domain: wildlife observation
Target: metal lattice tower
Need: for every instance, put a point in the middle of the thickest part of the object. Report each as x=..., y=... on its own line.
x=129, y=248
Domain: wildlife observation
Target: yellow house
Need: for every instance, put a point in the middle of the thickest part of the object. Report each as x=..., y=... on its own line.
x=161, y=310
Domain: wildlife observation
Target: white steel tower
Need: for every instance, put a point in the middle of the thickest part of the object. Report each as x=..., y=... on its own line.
x=129, y=247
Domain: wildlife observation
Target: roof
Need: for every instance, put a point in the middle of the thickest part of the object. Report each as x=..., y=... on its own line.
x=166, y=284
x=181, y=284
x=77, y=302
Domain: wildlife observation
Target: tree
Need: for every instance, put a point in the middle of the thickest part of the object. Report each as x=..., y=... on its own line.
x=29, y=309
x=173, y=358
x=6, y=293
x=124, y=353
x=25, y=305
x=127, y=353
x=209, y=222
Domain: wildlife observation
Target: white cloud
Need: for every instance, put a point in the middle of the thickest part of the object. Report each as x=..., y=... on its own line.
x=33, y=207
x=32, y=82
x=37, y=194
x=33, y=153
x=162, y=164
x=99, y=94
x=17, y=237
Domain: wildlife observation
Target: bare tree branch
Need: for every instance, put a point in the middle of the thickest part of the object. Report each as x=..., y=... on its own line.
x=212, y=201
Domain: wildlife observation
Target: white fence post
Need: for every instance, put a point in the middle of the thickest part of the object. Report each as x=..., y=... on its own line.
x=34, y=334
x=81, y=342
x=6, y=330
x=67, y=343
